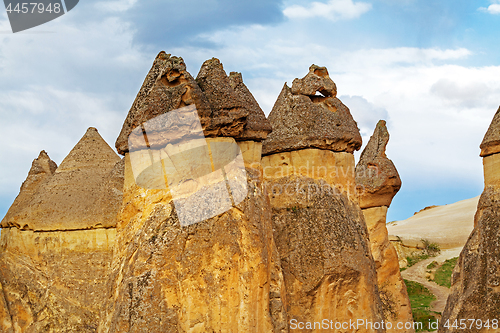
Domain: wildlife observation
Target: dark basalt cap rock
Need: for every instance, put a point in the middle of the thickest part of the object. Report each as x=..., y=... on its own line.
x=300, y=119
x=41, y=169
x=228, y=110
x=83, y=193
x=257, y=126
x=168, y=86
x=377, y=179
x=491, y=140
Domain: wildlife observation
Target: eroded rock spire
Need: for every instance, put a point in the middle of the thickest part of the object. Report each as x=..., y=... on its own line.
x=70, y=198
x=41, y=169
x=376, y=176
x=309, y=115
x=378, y=182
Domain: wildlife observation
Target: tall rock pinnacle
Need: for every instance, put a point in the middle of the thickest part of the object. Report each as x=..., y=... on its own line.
x=41, y=169
x=376, y=176
x=318, y=227
x=57, y=241
x=194, y=250
x=378, y=182
x=308, y=115
x=70, y=199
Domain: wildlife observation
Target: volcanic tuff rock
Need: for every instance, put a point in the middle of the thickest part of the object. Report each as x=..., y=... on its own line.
x=376, y=176
x=223, y=104
x=53, y=276
x=475, y=282
x=72, y=198
x=318, y=227
x=300, y=119
x=491, y=141
x=167, y=86
x=219, y=274
x=41, y=168
x=378, y=180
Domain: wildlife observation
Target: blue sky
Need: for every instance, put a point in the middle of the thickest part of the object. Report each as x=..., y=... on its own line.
x=430, y=68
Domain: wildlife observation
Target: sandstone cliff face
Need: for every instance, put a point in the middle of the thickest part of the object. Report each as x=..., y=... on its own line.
x=475, y=283
x=378, y=182
x=55, y=255
x=318, y=227
x=218, y=274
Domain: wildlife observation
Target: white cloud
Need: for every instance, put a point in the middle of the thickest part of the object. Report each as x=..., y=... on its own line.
x=333, y=10
x=492, y=9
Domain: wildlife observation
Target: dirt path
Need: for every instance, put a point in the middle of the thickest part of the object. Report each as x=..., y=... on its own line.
x=417, y=273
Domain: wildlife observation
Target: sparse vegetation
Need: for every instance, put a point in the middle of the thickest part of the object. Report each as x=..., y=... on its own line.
x=432, y=265
x=417, y=257
x=421, y=299
x=443, y=273
x=430, y=250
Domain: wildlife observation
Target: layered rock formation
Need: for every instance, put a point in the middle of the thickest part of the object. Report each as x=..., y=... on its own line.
x=475, y=283
x=55, y=252
x=207, y=264
x=318, y=227
x=378, y=182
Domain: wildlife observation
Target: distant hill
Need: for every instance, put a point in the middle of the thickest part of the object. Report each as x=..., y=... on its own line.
x=448, y=225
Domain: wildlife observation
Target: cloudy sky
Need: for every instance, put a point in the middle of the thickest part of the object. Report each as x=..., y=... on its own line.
x=430, y=68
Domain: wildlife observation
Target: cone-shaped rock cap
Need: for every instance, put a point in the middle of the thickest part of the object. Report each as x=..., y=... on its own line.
x=41, y=169
x=376, y=176
x=491, y=140
x=302, y=119
x=228, y=110
x=71, y=198
x=257, y=126
x=168, y=86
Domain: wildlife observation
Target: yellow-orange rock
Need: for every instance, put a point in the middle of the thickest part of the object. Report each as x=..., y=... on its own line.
x=396, y=303
x=318, y=227
x=54, y=274
x=217, y=274
x=378, y=181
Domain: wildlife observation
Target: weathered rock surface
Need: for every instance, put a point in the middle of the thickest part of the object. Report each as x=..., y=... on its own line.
x=475, y=283
x=335, y=168
x=53, y=273
x=71, y=199
x=221, y=274
x=376, y=176
x=41, y=168
x=491, y=141
x=318, y=227
x=225, y=103
x=378, y=182
x=257, y=126
x=54, y=281
x=300, y=119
